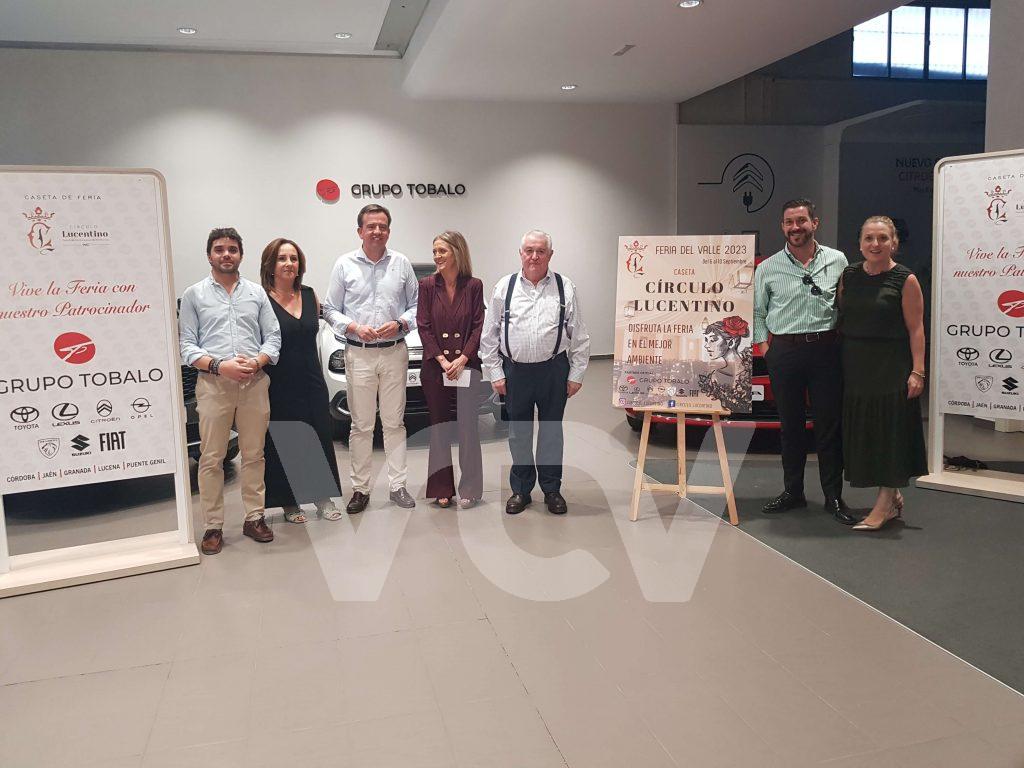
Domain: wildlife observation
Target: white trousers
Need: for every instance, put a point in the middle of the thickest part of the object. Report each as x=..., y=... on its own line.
x=372, y=374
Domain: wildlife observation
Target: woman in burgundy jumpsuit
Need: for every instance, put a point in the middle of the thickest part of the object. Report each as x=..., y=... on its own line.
x=449, y=316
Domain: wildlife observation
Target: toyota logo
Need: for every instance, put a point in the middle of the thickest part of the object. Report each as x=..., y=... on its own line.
x=24, y=414
x=1000, y=356
x=967, y=353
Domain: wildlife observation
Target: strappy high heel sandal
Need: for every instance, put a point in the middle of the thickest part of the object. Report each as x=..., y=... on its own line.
x=444, y=502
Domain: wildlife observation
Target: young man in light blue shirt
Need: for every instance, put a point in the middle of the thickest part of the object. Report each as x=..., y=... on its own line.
x=229, y=333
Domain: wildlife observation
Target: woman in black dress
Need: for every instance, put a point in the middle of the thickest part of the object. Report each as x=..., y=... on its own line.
x=298, y=394
x=882, y=325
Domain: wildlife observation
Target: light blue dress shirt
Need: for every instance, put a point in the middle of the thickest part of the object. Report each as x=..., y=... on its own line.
x=372, y=294
x=213, y=322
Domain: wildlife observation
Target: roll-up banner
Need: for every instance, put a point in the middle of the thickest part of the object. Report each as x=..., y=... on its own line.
x=977, y=335
x=89, y=385
x=683, y=322
x=980, y=348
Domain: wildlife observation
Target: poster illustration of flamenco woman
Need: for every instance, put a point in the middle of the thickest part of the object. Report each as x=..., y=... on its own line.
x=684, y=311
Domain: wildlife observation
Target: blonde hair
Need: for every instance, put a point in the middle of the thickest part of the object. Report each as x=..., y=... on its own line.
x=460, y=248
x=887, y=222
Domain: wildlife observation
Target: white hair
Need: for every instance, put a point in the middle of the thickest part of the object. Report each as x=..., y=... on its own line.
x=536, y=233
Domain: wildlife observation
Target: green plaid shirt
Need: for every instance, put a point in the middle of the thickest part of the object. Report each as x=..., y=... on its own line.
x=784, y=303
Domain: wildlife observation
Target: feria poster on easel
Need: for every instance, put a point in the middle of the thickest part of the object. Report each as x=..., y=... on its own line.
x=683, y=322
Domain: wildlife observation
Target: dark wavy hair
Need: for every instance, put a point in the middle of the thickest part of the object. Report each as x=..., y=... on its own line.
x=269, y=260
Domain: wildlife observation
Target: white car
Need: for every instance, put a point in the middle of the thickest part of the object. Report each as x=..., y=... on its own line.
x=332, y=361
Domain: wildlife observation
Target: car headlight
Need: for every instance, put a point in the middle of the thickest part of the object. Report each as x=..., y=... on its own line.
x=336, y=362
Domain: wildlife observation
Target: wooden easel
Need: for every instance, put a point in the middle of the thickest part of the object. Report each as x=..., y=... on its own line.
x=680, y=487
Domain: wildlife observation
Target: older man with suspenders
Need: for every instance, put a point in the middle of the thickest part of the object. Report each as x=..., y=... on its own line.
x=535, y=349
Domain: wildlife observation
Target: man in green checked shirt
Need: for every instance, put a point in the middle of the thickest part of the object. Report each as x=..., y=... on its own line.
x=795, y=321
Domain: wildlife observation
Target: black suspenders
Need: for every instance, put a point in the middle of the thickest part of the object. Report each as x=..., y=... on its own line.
x=561, y=311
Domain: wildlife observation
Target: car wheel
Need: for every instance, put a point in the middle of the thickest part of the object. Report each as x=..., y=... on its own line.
x=636, y=423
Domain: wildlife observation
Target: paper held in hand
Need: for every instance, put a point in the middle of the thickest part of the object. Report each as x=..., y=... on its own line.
x=462, y=381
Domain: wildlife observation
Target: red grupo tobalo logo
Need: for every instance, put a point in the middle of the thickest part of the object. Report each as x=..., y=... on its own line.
x=75, y=348
x=1012, y=303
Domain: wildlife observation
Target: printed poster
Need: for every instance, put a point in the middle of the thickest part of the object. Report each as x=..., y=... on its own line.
x=87, y=385
x=683, y=322
x=980, y=328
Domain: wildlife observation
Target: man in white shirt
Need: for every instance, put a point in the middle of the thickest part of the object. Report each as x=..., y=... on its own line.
x=535, y=349
x=371, y=305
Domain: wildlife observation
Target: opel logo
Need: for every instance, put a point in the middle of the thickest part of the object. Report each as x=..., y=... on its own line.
x=64, y=411
x=24, y=414
x=1000, y=356
x=967, y=353
x=140, y=405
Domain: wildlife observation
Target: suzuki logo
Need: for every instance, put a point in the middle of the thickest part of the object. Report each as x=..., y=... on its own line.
x=80, y=442
x=1010, y=384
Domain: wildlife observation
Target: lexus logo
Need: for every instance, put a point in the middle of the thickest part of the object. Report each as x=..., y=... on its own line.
x=1000, y=356
x=967, y=353
x=24, y=414
x=64, y=411
x=104, y=408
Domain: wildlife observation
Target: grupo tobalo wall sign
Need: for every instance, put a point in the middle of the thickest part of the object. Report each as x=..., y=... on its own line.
x=329, y=191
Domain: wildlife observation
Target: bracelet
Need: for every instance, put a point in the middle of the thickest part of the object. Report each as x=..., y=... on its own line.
x=919, y=374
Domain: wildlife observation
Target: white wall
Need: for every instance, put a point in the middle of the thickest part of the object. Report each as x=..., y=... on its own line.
x=1004, y=117
x=242, y=141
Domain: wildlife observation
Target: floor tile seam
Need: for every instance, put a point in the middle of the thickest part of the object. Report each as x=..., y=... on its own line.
x=156, y=710
x=801, y=684
x=87, y=674
x=782, y=555
x=717, y=695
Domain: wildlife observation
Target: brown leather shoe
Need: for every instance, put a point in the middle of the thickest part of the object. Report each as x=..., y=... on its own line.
x=258, y=530
x=213, y=540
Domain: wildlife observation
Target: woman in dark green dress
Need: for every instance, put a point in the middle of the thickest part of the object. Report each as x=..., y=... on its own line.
x=882, y=326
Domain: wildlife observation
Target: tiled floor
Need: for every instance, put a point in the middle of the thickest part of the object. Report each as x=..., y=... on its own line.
x=492, y=641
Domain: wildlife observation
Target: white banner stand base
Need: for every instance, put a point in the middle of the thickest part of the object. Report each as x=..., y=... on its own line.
x=40, y=571
x=1004, y=486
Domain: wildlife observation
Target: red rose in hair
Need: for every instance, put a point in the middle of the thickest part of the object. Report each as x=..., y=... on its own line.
x=736, y=326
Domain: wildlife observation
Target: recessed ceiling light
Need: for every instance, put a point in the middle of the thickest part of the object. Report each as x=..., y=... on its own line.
x=187, y=30
x=343, y=35
x=689, y=3
x=570, y=87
